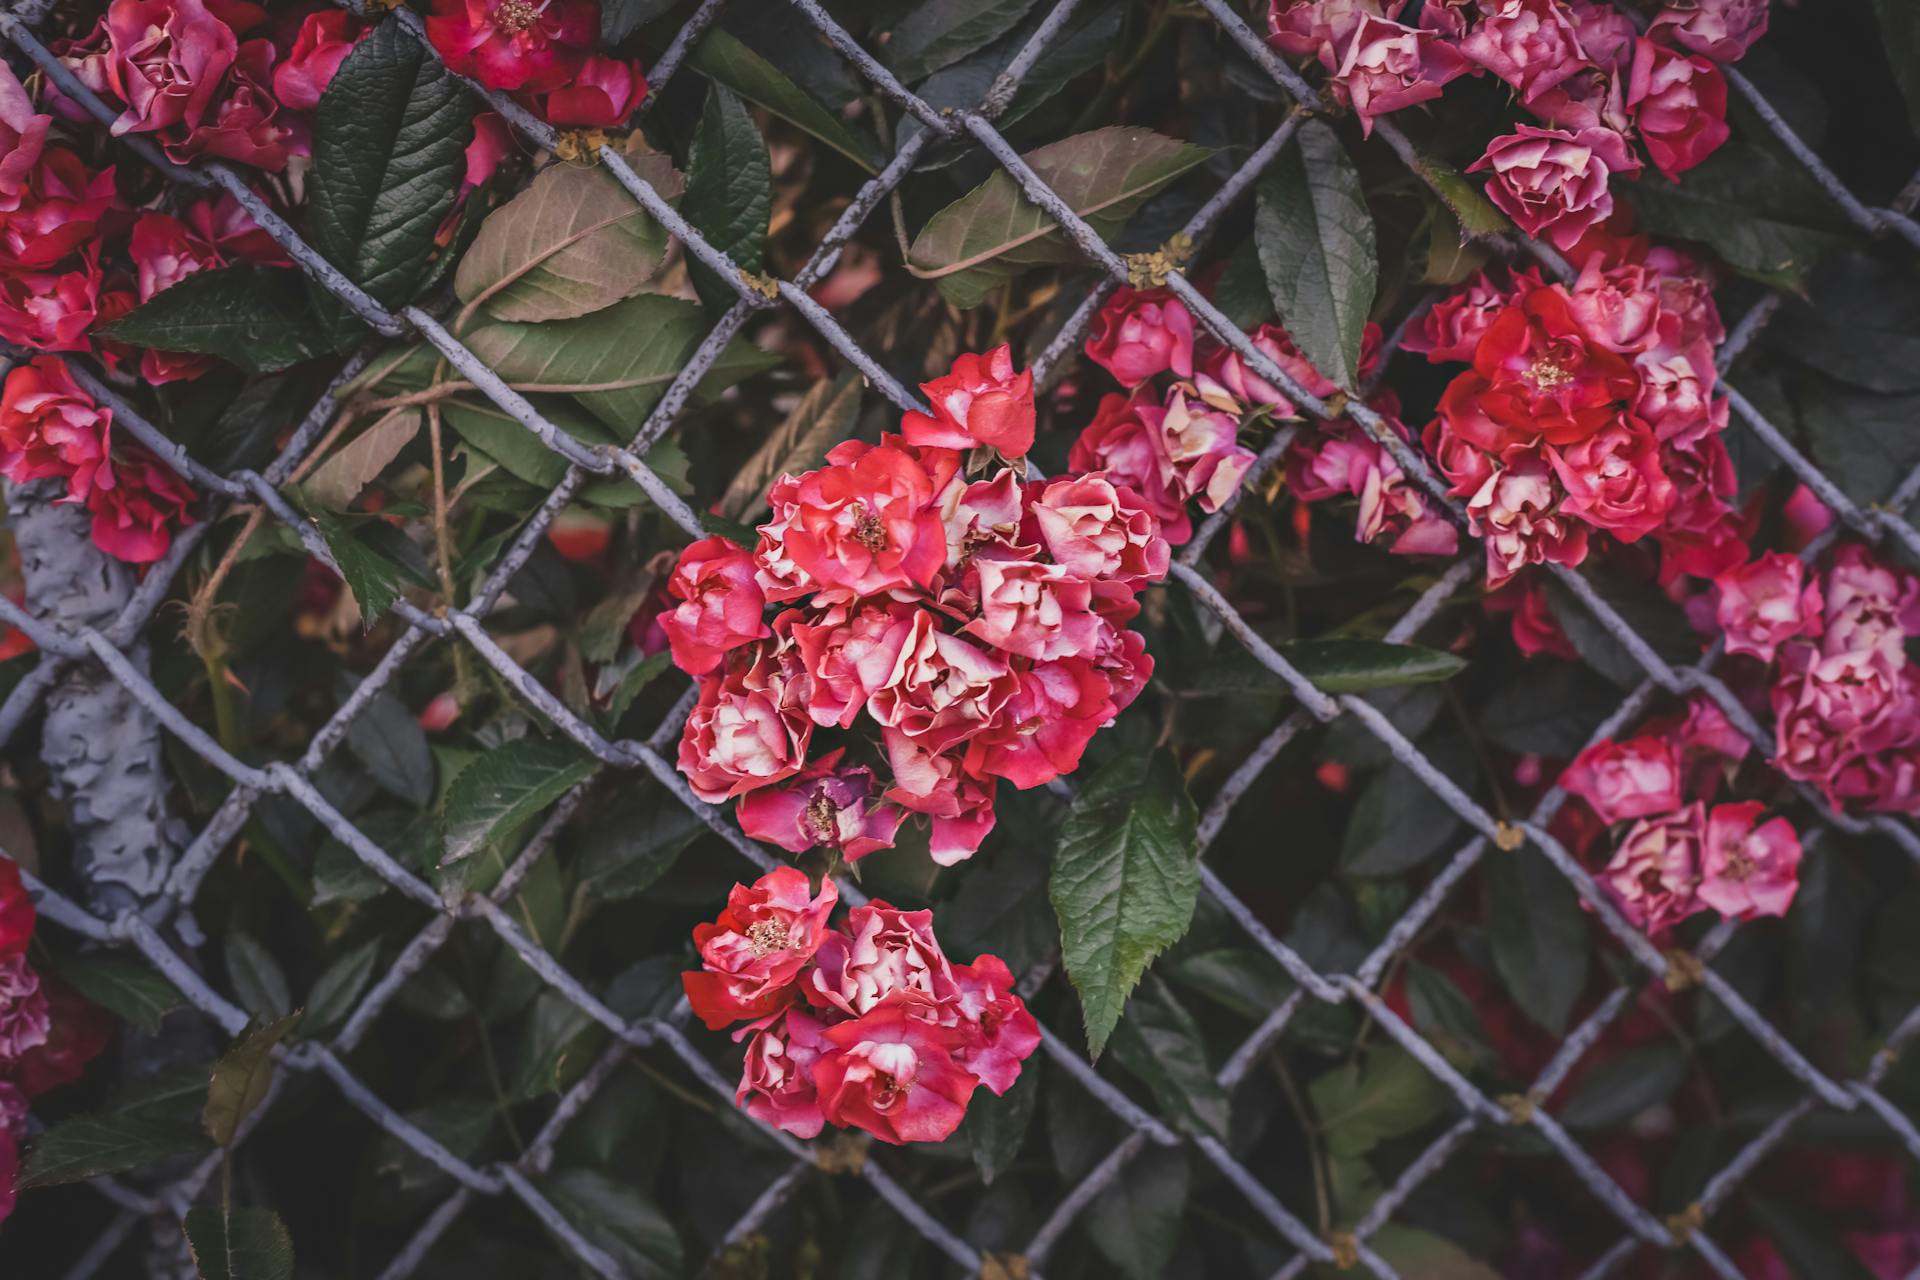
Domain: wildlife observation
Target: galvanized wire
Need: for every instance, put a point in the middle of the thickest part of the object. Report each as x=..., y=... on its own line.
x=63, y=645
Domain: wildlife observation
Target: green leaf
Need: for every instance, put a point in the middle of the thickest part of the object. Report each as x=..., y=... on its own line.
x=624, y=1223
x=1757, y=209
x=239, y=1244
x=1865, y=443
x=994, y=232
x=729, y=192
x=573, y=242
x=1241, y=292
x=936, y=33
x=339, y=480
x=559, y=1038
x=505, y=787
x=621, y=18
x=1547, y=708
x=1384, y=1094
x=1653, y=617
x=1249, y=982
x=1538, y=934
x=732, y=530
x=1002, y=908
x=521, y=454
x=634, y=843
x=1398, y=822
x=1135, y=1222
x=724, y=60
x=389, y=152
x=124, y=986
x=1476, y=215
x=241, y=1078
x=1124, y=881
x=1316, y=244
x=337, y=990
x=616, y=362
x=1622, y=1087
x=92, y=1146
x=1160, y=1043
x=824, y=417
x=1900, y=37
x=997, y=1127
x=257, y=317
x=1413, y=1252
x=375, y=568
x=388, y=740
x=259, y=984
x=1809, y=1243
x=1860, y=324
x=1355, y=666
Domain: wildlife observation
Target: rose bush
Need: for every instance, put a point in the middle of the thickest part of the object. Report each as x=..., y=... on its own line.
x=1397, y=671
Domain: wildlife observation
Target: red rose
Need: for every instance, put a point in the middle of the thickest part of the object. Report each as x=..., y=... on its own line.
x=938, y=785
x=1316, y=28
x=824, y=806
x=1141, y=333
x=23, y=132
x=134, y=517
x=325, y=39
x=895, y=1075
x=16, y=910
x=776, y=1081
x=1040, y=733
x=943, y=688
x=1119, y=445
x=603, y=94
x=1098, y=530
x=981, y=402
x=53, y=310
x=1613, y=479
x=78, y=1031
x=1389, y=66
x=866, y=524
x=1679, y=105
x=1622, y=780
x=50, y=427
x=756, y=949
x=535, y=45
x=60, y=210
x=1038, y=611
x=721, y=605
x=1554, y=181
x=750, y=728
x=1008, y=1034
x=24, y=1020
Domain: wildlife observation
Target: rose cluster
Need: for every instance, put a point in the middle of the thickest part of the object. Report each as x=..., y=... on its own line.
x=979, y=623
x=866, y=1025
x=544, y=52
x=48, y=1033
x=1845, y=697
x=1589, y=409
x=1684, y=853
x=1580, y=67
x=1181, y=443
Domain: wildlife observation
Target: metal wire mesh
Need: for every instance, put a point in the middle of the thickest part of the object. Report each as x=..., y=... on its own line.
x=63, y=646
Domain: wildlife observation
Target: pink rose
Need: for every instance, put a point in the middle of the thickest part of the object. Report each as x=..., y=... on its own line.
x=1748, y=871
x=1605, y=34
x=1676, y=394
x=1702, y=535
x=53, y=310
x=1228, y=383
x=535, y=45
x=1389, y=66
x=23, y=133
x=24, y=1022
x=603, y=94
x=492, y=143
x=325, y=39
x=1039, y=611
x=1200, y=448
x=1119, y=445
x=1553, y=181
x=1721, y=29
x=867, y=523
x=848, y=652
x=1535, y=630
x=1140, y=333
x=750, y=727
x=1679, y=105
x=1618, y=307
x=776, y=1080
x=1316, y=28
x=943, y=688
x=1654, y=874
x=935, y=783
x=1098, y=531
x=1451, y=328
x=895, y=1075
x=162, y=60
x=981, y=402
x=1829, y=709
x=720, y=608
x=1765, y=604
x=753, y=953
x=1613, y=480
x=825, y=806
x=879, y=954
x=61, y=209
x=1045, y=726
x=1342, y=459
x=1530, y=44
x=135, y=516
x=1869, y=607
x=982, y=522
x=1006, y=1035
x=1622, y=780
x=780, y=578
x=1517, y=513
x=50, y=428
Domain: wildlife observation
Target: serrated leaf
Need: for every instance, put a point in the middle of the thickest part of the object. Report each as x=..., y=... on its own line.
x=338, y=988
x=486, y=426
x=729, y=192
x=1652, y=617
x=1475, y=214
x=504, y=788
x=616, y=362
x=1538, y=934
x=1398, y=822
x=997, y=1127
x=1622, y=1087
x=824, y=417
x=239, y=1244
x=258, y=981
x=1160, y=1043
x=936, y=33
x=724, y=60
x=1135, y=1222
x=1355, y=666
x=123, y=986
x=374, y=560
x=1860, y=324
x=1756, y=209
x=573, y=242
x=257, y=317
x=634, y=843
x=388, y=740
x=1316, y=244
x=1125, y=880
x=994, y=232
x=336, y=482
x=241, y=1078
x=92, y=1146
x=389, y=152
x=1362, y=1103
x=624, y=1223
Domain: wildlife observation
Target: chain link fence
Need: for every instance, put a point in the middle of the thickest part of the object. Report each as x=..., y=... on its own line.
x=103, y=653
